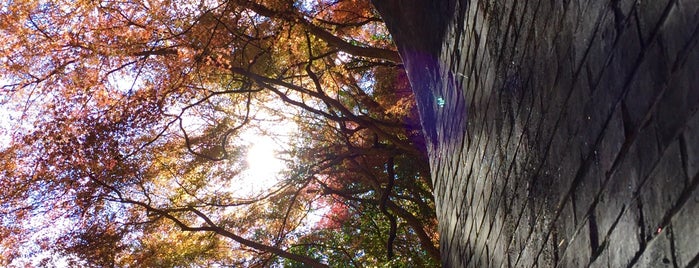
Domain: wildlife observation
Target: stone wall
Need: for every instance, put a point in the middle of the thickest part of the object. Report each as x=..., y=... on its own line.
x=565, y=132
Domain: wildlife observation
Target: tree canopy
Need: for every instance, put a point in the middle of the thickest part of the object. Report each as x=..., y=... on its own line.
x=126, y=139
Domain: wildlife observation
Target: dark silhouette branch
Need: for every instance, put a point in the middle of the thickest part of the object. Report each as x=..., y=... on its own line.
x=210, y=226
x=157, y=52
x=415, y=223
x=382, y=206
x=331, y=39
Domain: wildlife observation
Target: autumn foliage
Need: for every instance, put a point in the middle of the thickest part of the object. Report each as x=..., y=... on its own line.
x=123, y=139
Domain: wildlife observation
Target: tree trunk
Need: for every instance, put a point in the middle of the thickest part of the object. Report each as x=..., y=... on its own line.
x=561, y=133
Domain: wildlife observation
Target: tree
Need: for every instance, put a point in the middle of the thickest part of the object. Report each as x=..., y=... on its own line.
x=129, y=121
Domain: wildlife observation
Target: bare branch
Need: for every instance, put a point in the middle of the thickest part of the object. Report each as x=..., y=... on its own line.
x=331, y=39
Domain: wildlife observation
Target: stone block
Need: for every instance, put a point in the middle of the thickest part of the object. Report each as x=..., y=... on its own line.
x=679, y=102
x=616, y=199
x=578, y=251
x=658, y=252
x=586, y=29
x=685, y=231
x=691, y=146
x=608, y=150
x=623, y=241
x=601, y=49
x=587, y=190
x=662, y=189
x=676, y=33
x=648, y=85
x=647, y=150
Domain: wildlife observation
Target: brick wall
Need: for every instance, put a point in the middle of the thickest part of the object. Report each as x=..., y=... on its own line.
x=565, y=133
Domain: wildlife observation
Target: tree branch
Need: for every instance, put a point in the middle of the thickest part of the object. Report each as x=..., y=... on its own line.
x=212, y=227
x=331, y=39
x=382, y=207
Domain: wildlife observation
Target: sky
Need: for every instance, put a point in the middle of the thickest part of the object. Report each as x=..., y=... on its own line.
x=6, y=120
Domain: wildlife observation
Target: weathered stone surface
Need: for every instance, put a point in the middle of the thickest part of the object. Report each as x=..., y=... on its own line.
x=685, y=231
x=690, y=141
x=568, y=135
x=658, y=252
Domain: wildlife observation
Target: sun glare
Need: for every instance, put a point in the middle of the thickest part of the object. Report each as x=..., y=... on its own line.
x=264, y=156
x=262, y=159
x=263, y=166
